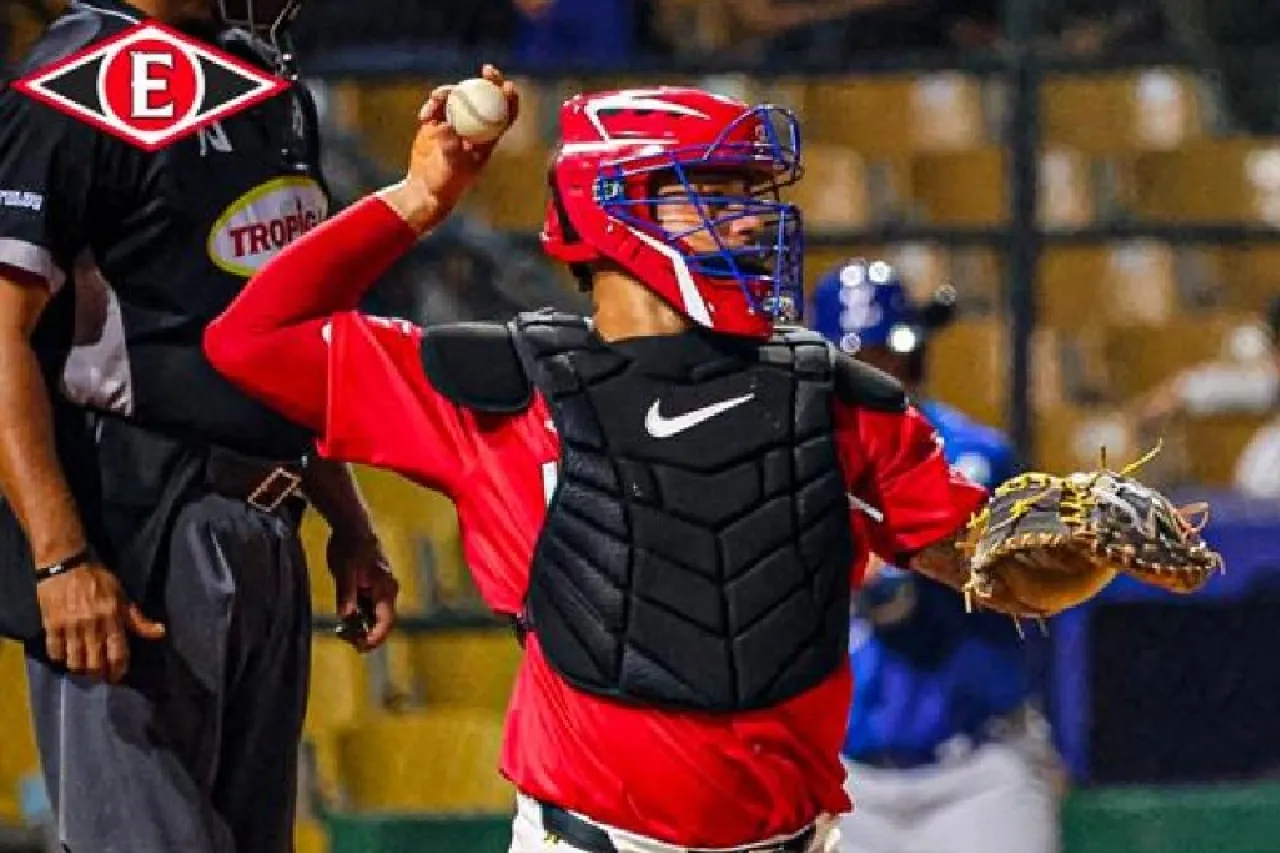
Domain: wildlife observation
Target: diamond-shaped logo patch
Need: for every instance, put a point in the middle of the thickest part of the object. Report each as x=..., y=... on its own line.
x=150, y=85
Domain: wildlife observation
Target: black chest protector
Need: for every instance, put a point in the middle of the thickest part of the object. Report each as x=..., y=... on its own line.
x=697, y=549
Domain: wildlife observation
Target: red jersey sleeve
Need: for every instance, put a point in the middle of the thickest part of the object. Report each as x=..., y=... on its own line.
x=382, y=410
x=294, y=340
x=900, y=482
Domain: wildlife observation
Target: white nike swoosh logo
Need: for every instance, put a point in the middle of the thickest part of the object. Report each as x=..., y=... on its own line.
x=659, y=427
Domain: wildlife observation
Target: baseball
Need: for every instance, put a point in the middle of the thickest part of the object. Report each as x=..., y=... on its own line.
x=477, y=110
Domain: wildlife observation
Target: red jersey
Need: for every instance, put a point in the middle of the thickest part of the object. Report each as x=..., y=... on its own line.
x=698, y=779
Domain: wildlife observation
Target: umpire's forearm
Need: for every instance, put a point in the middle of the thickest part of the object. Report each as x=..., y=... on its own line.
x=31, y=477
x=332, y=489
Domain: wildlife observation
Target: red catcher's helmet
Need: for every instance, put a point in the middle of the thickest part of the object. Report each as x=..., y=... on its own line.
x=616, y=147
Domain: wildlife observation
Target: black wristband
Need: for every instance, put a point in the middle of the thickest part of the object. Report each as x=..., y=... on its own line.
x=75, y=561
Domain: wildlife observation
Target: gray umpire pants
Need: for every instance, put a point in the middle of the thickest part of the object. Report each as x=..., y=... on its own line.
x=196, y=752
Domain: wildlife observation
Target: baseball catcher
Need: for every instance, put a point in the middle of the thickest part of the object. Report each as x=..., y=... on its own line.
x=671, y=499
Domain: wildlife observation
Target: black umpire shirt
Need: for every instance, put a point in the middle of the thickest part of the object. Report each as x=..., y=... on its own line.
x=142, y=250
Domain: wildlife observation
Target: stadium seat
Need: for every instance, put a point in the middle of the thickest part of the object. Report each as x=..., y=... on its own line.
x=466, y=668
x=439, y=759
x=340, y=687
x=960, y=187
x=1140, y=357
x=968, y=188
x=1209, y=445
x=969, y=368
x=1231, y=180
x=18, y=757
x=1247, y=277
x=1082, y=286
x=1153, y=110
x=886, y=116
x=340, y=697
x=385, y=115
x=512, y=192
x=967, y=365
x=1066, y=192
x=833, y=192
x=1070, y=438
x=977, y=272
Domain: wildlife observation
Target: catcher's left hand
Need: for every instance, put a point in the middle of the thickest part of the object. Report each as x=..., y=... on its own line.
x=1050, y=543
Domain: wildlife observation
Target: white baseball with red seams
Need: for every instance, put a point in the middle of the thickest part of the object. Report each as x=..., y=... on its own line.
x=477, y=110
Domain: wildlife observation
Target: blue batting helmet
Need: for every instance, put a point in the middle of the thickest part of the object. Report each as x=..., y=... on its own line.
x=864, y=303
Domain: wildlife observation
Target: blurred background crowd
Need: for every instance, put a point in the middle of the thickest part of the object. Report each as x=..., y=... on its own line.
x=1138, y=294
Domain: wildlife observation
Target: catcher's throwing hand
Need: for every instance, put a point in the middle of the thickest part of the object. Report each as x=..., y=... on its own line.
x=443, y=165
x=1050, y=543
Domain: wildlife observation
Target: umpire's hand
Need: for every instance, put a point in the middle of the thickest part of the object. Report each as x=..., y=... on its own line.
x=366, y=589
x=87, y=622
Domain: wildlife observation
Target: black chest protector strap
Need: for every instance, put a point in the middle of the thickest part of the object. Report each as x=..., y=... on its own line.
x=705, y=568
x=859, y=384
x=475, y=365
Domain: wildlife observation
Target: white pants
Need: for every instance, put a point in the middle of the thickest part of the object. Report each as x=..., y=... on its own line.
x=1001, y=798
x=529, y=836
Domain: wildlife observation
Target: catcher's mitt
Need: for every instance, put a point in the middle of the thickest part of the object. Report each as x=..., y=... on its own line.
x=1050, y=543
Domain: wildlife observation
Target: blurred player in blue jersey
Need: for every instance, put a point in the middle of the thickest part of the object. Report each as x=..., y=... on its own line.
x=946, y=750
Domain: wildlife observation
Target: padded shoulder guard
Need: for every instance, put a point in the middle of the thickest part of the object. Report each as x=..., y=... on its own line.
x=476, y=365
x=859, y=384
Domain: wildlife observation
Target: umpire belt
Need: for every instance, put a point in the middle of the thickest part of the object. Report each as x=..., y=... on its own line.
x=267, y=486
x=590, y=838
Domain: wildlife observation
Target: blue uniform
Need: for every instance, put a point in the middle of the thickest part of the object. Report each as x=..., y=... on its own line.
x=937, y=672
x=934, y=671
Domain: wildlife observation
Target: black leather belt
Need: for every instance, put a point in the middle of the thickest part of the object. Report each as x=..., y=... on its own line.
x=587, y=837
x=265, y=485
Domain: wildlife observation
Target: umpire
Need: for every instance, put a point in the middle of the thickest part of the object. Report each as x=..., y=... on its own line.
x=149, y=557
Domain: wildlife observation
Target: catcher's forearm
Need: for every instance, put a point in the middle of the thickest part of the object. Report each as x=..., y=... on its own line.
x=944, y=562
x=948, y=563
